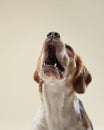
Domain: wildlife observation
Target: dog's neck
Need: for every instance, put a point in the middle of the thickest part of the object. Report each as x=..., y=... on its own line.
x=60, y=105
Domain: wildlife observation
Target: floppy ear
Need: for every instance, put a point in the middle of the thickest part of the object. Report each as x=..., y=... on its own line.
x=36, y=76
x=82, y=77
x=36, y=73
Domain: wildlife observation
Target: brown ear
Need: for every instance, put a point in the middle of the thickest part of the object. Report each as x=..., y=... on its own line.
x=38, y=80
x=36, y=76
x=82, y=77
x=36, y=73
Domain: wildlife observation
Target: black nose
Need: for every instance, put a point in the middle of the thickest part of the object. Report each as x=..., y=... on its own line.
x=53, y=35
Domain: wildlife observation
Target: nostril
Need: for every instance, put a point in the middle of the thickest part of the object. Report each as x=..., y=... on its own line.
x=57, y=35
x=49, y=34
x=53, y=35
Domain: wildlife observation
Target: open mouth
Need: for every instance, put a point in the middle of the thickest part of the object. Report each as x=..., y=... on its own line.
x=51, y=65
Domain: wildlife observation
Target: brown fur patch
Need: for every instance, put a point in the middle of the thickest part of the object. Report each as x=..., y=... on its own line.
x=81, y=78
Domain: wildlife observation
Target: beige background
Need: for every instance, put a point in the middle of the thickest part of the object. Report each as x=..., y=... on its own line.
x=23, y=28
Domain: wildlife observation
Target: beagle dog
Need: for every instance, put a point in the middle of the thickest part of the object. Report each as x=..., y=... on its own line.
x=61, y=74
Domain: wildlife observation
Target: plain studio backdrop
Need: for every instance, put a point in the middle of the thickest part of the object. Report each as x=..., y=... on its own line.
x=23, y=28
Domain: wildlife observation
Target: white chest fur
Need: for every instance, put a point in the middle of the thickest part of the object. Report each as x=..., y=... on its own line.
x=60, y=107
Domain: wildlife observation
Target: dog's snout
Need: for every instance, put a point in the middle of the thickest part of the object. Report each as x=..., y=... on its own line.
x=53, y=35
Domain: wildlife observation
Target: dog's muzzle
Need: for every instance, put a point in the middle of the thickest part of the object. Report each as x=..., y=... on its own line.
x=52, y=53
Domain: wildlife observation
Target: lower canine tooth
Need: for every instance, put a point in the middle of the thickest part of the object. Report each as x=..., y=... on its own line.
x=55, y=65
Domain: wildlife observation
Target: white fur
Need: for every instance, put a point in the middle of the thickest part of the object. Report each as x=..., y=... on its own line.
x=59, y=109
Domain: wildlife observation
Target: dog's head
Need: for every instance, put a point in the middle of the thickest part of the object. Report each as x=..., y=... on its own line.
x=58, y=61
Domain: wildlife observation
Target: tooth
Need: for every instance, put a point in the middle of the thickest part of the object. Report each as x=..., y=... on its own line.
x=44, y=64
x=55, y=65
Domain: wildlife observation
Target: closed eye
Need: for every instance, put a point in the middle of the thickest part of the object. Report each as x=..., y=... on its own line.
x=68, y=47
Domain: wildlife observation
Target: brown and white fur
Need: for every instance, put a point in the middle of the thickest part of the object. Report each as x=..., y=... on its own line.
x=61, y=74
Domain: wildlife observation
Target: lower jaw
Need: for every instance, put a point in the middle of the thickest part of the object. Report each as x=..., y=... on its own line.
x=55, y=76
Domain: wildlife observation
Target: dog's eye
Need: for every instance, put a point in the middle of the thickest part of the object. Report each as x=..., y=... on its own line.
x=69, y=48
